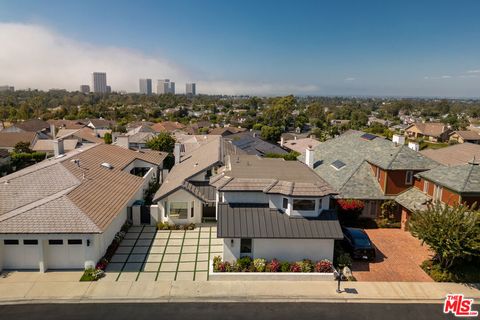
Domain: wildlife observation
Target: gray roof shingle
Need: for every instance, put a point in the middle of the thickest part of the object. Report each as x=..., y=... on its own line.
x=462, y=179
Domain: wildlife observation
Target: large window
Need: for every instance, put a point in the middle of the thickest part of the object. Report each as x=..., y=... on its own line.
x=303, y=205
x=409, y=178
x=245, y=246
x=178, y=210
x=285, y=203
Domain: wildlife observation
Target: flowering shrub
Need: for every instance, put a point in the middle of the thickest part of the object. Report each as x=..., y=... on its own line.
x=306, y=265
x=273, y=266
x=285, y=266
x=244, y=263
x=259, y=264
x=323, y=266
x=295, y=267
x=351, y=204
x=167, y=226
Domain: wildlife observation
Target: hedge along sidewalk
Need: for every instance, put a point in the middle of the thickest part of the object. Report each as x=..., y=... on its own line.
x=181, y=291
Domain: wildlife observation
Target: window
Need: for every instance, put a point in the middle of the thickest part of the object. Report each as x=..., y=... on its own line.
x=192, y=209
x=10, y=242
x=178, y=210
x=30, y=242
x=425, y=186
x=55, y=242
x=437, y=194
x=129, y=214
x=285, y=203
x=245, y=246
x=409, y=177
x=303, y=204
x=74, y=241
x=377, y=173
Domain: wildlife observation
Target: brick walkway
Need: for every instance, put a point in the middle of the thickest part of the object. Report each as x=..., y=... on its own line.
x=399, y=256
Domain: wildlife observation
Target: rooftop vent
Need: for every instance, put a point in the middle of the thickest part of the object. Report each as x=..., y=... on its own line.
x=337, y=164
x=107, y=165
x=368, y=136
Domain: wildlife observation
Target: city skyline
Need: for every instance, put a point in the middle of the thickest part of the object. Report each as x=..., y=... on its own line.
x=351, y=48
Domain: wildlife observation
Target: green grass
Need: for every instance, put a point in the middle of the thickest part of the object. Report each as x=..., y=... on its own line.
x=429, y=145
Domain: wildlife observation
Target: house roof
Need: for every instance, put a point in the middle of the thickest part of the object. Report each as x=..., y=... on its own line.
x=249, y=142
x=167, y=126
x=101, y=123
x=413, y=199
x=61, y=196
x=67, y=124
x=10, y=139
x=270, y=175
x=433, y=129
x=351, y=149
x=454, y=155
x=468, y=135
x=4, y=153
x=33, y=125
x=141, y=128
x=225, y=131
x=300, y=145
x=141, y=137
x=85, y=134
x=46, y=145
x=235, y=221
x=462, y=179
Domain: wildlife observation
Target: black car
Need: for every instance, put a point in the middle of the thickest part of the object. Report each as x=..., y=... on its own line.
x=357, y=242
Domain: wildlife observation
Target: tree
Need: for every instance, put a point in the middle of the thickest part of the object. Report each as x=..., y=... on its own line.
x=453, y=233
x=271, y=133
x=107, y=138
x=162, y=142
x=22, y=147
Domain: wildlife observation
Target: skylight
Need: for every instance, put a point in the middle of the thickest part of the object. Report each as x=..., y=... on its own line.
x=337, y=164
x=368, y=136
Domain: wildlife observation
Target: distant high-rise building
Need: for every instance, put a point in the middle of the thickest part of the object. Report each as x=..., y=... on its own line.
x=145, y=86
x=85, y=88
x=165, y=86
x=99, y=80
x=109, y=89
x=7, y=88
x=191, y=89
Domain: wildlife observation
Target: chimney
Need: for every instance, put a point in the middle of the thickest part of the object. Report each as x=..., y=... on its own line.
x=176, y=152
x=58, y=147
x=414, y=146
x=282, y=141
x=309, y=156
x=52, y=131
x=398, y=140
x=123, y=141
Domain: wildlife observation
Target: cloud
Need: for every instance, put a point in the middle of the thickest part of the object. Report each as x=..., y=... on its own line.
x=437, y=77
x=473, y=71
x=350, y=79
x=33, y=56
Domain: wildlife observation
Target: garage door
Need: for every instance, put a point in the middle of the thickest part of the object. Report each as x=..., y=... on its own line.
x=20, y=254
x=65, y=254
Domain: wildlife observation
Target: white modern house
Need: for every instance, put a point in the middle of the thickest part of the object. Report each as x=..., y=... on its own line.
x=64, y=212
x=272, y=208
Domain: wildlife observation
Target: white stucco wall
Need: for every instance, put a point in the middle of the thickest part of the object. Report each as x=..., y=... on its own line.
x=282, y=249
x=181, y=196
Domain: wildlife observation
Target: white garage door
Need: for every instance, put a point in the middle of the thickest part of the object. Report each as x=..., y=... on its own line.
x=65, y=254
x=20, y=254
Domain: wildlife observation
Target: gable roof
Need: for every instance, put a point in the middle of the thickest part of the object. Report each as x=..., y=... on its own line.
x=225, y=131
x=85, y=133
x=167, y=126
x=67, y=124
x=61, y=196
x=462, y=179
x=457, y=154
x=250, y=221
x=468, y=135
x=33, y=125
x=351, y=149
x=433, y=129
x=46, y=145
x=249, y=142
x=10, y=139
x=101, y=123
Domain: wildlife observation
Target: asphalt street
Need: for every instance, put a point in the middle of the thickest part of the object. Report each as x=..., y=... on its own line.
x=224, y=311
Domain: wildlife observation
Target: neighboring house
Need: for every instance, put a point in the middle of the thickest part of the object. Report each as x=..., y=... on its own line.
x=272, y=208
x=189, y=143
x=198, y=127
x=33, y=125
x=185, y=195
x=339, y=123
x=136, y=124
x=63, y=213
x=431, y=131
x=168, y=126
x=47, y=145
x=252, y=144
x=84, y=136
x=226, y=131
x=465, y=136
x=366, y=167
x=454, y=155
x=135, y=141
x=67, y=124
x=8, y=140
x=299, y=145
x=372, y=120
x=100, y=124
x=447, y=185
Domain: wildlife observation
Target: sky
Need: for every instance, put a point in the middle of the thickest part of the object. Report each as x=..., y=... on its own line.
x=263, y=47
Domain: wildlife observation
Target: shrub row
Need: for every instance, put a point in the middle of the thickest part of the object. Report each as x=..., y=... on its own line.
x=247, y=264
x=167, y=226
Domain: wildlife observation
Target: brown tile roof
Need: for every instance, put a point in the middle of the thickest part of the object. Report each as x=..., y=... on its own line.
x=46, y=145
x=10, y=139
x=468, y=135
x=59, y=196
x=167, y=126
x=433, y=129
x=101, y=123
x=84, y=134
x=300, y=145
x=454, y=155
x=67, y=124
x=33, y=125
x=225, y=131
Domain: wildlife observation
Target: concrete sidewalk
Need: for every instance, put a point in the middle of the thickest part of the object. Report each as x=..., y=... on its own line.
x=228, y=291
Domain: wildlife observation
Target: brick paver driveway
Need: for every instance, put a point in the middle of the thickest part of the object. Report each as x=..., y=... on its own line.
x=150, y=255
x=399, y=256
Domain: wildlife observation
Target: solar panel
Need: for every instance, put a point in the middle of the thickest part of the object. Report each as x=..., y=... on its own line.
x=337, y=164
x=368, y=136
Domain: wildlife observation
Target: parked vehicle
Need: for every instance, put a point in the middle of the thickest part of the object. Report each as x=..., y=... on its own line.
x=358, y=244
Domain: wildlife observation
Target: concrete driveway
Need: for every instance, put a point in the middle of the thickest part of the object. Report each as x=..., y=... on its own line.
x=399, y=256
x=150, y=255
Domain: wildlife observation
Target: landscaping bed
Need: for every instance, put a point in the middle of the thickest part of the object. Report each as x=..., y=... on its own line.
x=168, y=226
